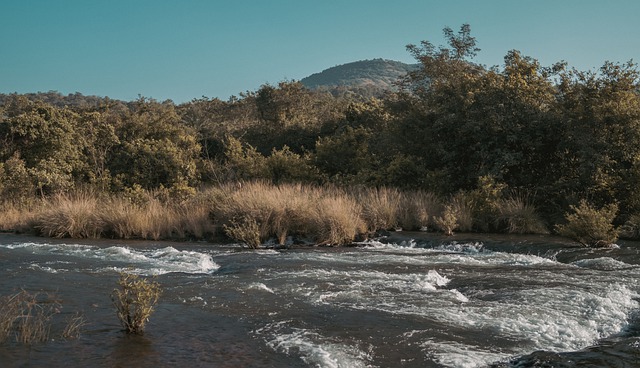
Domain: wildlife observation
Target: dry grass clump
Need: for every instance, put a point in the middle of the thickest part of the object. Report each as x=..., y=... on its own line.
x=417, y=209
x=28, y=317
x=86, y=215
x=463, y=208
x=74, y=326
x=255, y=212
x=337, y=220
x=448, y=221
x=69, y=216
x=518, y=216
x=16, y=217
x=135, y=301
x=380, y=207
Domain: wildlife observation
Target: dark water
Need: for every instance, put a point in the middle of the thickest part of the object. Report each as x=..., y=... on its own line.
x=477, y=301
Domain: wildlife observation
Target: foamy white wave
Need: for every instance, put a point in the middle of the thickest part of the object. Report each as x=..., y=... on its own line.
x=35, y=266
x=472, y=253
x=140, y=261
x=562, y=318
x=474, y=247
x=554, y=319
x=261, y=286
x=313, y=348
x=451, y=354
x=374, y=290
x=603, y=263
x=50, y=248
x=159, y=261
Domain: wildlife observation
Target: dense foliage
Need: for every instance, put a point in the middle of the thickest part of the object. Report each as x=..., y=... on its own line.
x=479, y=136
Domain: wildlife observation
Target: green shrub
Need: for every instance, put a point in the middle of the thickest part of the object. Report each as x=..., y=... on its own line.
x=135, y=301
x=590, y=226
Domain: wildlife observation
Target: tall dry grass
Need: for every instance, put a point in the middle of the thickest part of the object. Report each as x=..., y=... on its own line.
x=462, y=206
x=380, y=207
x=256, y=212
x=83, y=214
x=17, y=217
x=337, y=220
x=418, y=210
x=517, y=215
x=27, y=316
x=72, y=215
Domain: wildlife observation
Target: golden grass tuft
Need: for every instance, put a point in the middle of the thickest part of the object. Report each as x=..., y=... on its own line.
x=85, y=215
x=380, y=207
x=16, y=217
x=27, y=316
x=418, y=209
x=69, y=216
x=518, y=216
x=337, y=220
x=256, y=212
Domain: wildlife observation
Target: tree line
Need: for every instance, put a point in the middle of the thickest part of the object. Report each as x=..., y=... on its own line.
x=553, y=134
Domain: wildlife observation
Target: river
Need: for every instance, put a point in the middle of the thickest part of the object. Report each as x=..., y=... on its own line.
x=409, y=300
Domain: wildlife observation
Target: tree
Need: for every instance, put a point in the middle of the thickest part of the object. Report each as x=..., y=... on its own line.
x=155, y=149
x=602, y=145
x=46, y=138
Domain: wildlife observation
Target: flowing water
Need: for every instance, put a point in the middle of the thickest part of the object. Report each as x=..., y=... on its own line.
x=430, y=302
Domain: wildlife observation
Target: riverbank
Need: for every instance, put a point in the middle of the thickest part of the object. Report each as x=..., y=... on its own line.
x=256, y=213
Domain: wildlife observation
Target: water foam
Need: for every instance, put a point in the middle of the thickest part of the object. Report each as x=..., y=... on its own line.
x=139, y=261
x=570, y=316
x=472, y=253
x=451, y=354
x=260, y=286
x=313, y=348
x=602, y=263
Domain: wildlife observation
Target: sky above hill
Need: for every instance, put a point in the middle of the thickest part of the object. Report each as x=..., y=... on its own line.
x=185, y=49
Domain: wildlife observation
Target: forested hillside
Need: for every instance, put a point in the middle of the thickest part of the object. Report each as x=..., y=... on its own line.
x=544, y=137
x=367, y=78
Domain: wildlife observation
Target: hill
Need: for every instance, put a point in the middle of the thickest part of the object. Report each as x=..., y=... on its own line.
x=366, y=77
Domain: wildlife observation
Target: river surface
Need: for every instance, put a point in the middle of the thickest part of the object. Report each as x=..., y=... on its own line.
x=463, y=301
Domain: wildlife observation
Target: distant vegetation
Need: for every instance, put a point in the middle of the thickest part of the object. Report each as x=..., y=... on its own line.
x=365, y=78
x=455, y=147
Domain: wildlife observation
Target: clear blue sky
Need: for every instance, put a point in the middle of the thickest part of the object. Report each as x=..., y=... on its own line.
x=185, y=49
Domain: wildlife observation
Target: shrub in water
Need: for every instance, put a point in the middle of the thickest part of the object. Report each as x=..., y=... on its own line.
x=590, y=226
x=135, y=301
